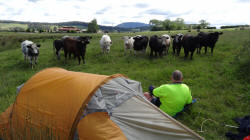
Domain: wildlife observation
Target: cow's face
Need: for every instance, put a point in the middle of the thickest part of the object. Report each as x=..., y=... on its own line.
x=33, y=49
x=85, y=39
x=215, y=35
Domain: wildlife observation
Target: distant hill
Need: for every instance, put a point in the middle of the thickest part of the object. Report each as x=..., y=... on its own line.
x=78, y=24
x=132, y=25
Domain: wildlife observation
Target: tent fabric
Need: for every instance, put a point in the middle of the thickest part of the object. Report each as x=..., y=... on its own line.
x=112, y=94
x=51, y=102
x=4, y=123
x=58, y=104
x=139, y=119
x=99, y=127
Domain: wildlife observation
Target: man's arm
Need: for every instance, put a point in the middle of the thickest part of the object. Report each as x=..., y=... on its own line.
x=189, y=99
x=160, y=91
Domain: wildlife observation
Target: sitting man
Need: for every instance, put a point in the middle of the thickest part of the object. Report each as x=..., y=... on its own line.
x=171, y=97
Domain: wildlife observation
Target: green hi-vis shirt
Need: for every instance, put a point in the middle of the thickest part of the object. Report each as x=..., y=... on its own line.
x=173, y=97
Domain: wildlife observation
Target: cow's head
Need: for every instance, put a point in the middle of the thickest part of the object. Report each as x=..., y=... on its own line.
x=33, y=49
x=214, y=36
x=137, y=38
x=85, y=39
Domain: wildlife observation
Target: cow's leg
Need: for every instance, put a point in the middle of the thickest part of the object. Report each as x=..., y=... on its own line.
x=186, y=53
x=31, y=58
x=173, y=49
x=178, y=52
x=69, y=55
x=35, y=59
x=65, y=55
x=151, y=53
x=205, y=49
x=25, y=58
x=58, y=54
x=212, y=49
x=79, y=59
x=191, y=57
x=83, y=58
x=160, y=53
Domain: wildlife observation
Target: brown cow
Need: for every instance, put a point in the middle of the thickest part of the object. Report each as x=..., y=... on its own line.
x=76, y=46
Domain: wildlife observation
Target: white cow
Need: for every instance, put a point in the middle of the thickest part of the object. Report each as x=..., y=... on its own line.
x=167, y=40
x=128, y=44
x=105, y=43
x=30, y=50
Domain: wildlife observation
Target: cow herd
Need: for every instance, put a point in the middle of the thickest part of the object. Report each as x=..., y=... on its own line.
x=159, y=45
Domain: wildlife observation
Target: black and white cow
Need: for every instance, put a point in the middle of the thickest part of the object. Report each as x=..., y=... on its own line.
x=31, y=51
x=177, y=43
x=140, y=43
x=208, y=40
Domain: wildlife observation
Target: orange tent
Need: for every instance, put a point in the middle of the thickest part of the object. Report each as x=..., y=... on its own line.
x=64, y=105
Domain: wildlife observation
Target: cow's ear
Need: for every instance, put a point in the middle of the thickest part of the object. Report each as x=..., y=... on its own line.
x=38, y=45
x=90, y=37
x=220, y=33
x=172, y=36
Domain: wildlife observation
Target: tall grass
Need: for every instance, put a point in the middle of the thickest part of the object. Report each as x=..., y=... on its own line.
x=222, y=94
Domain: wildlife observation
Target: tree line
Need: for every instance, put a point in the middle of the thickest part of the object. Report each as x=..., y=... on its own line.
x=177, y=24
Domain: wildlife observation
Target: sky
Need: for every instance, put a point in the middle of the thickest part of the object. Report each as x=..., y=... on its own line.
x=113, y=12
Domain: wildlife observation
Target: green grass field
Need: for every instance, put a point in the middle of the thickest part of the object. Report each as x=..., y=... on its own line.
x=7, y=26
x=218, y=82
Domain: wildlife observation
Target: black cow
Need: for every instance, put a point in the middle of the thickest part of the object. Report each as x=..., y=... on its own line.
x=140, y=43
x=76, y=46
x=157, y=45
x=190, y=43
x=208, y=40
x=58, y=45
x=177, y=43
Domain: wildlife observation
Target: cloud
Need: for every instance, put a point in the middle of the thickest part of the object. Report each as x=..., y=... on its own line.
x=77, y=6
x=46, y=14
x=160, y=12
x=124, y=6
x=156, y=12
x=243, y=1
x=138, y=16
x=100, y=12
x=107, y=22
x=141, y=5
x=14, y=12
x=33, y=1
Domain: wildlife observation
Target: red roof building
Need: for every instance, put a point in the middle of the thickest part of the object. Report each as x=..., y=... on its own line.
x=68, y=28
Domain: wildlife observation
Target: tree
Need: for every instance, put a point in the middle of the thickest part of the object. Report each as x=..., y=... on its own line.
x=93, y=27
x=156, y=25
x=167, y=24
x=179, y=23
x=203, y=23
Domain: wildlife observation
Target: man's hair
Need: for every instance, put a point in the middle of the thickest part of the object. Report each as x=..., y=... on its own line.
x=177, y=75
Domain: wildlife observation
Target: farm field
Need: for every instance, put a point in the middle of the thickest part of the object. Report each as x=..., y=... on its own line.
x=220, y=82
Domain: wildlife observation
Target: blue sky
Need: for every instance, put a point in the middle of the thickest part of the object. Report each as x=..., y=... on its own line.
x=113, y=12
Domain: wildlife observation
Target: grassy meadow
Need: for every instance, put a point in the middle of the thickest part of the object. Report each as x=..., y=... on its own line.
x=219, y=82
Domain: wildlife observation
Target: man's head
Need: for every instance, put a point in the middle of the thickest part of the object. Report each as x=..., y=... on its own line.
x=177, y=76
